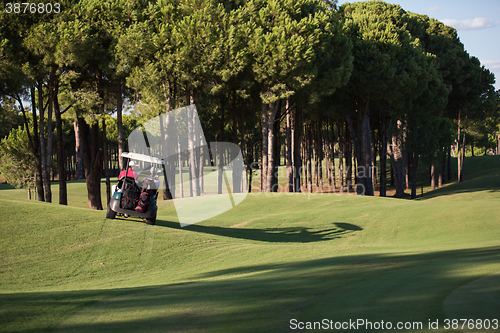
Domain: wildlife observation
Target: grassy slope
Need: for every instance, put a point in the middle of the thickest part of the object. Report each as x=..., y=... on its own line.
x=271, y=259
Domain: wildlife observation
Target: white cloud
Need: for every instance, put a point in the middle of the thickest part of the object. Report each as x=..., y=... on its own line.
x=474, y=24
x=492, y=65
x=433, y=9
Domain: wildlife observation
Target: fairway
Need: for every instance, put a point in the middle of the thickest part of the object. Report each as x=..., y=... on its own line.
x=274, y=263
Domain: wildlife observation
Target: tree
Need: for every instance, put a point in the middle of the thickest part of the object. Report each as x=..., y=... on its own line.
x=17, y=160
x=460, y=72
x=333, y=66
x=16, y=77
x=9, y=116
x=388, y=74
x=43, y=42
x=479, y=100
x=285, y=37
x=426, y=129
x=188, y=51
x=88, y=43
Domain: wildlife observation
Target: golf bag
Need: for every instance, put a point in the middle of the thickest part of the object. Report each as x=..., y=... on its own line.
x=130, y=195
x=144, y=201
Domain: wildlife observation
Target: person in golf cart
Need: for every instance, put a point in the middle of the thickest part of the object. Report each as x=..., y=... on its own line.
x=130, y=172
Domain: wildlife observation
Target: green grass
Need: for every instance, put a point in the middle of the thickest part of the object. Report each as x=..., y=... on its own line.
x=253, y=268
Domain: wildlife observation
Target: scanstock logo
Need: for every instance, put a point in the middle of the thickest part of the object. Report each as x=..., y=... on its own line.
x=205, y=180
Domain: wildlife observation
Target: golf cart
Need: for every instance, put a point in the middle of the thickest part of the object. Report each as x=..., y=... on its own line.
x=135, y=194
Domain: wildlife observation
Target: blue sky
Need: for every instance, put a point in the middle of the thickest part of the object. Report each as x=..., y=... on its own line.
x=477, y=23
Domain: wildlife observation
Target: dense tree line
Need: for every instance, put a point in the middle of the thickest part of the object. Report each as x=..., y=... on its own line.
x=294, y=82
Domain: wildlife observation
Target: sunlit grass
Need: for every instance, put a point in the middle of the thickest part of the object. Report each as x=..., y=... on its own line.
x=252, y=269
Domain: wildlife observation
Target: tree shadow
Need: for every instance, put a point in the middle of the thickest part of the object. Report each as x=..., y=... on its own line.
x=392, y=287
x=272, y=235
x=348, y=226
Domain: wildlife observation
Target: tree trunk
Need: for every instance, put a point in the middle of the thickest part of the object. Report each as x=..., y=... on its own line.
x=498, y=144
x=448, y=162
x=392, y=174
x=218, y=161
x=264, y=149
x=168, y=174
x=413, y=171
x=250, y=170
x=191, y=157
x=94, y=178
x=308, y=145
x=268, y=116
x=442, y=175
x=441, y=169
x=375, y=143
x=383, y=158
x=192, y=140
x=244, y=150
x=460, y=151
x=288, y=161
x=275, y=162
x=303, y=158
x=333, y=172
x=39, y=193
x=43, y=159
x=341, y=127
x=200, y=155
x=433, y=177
x=61, y=168
x=398, y=159
x=166, y=150
x=353, y=148
x=364, y=151
x=181, y=162
x=119, y=123
x=462, y=158
x=407, y=173
x=329, y=154
x=106, y=166
x=296, y=132
x=320, y=155
x=348, y=158
x=270, y=153
x=48, y=166
x=314, y=154
x=92, y=163
x=78, y=152
x=236, y=171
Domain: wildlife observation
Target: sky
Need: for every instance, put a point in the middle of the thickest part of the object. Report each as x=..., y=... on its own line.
x=477, y=23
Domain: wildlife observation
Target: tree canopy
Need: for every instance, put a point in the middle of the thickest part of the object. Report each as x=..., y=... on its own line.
x=350, y=81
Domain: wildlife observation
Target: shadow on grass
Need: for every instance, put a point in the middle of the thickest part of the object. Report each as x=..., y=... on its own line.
x=389, y=287
x=272, y=235
x=481, y=173
x=486, y=183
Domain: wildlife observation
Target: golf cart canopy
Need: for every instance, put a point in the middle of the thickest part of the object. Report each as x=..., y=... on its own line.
x=142, y=157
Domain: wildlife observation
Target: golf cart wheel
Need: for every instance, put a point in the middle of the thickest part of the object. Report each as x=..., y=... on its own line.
x=150, y=221
x=110, y=214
